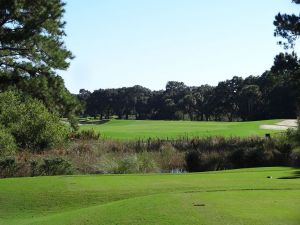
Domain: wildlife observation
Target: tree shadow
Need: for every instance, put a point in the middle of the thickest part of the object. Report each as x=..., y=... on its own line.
x=296, y=175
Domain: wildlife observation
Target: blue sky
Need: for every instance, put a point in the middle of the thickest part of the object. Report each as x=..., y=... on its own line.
x=149, y=42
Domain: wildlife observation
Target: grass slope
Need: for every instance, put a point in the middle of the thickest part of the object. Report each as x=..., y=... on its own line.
x=245, y=197
x=135, y=129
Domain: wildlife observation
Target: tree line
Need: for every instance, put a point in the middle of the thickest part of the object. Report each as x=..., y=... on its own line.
x=274, y=94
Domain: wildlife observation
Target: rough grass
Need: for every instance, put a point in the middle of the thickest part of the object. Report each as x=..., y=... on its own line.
x=232, y=197
x=143, y=129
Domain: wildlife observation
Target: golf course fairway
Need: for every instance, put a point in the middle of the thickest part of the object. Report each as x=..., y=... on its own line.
x=143, y=129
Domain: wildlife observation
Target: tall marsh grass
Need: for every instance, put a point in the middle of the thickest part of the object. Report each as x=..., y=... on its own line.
x=88, y=154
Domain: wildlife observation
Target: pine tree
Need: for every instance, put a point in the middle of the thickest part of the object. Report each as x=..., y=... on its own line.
x=31, y=37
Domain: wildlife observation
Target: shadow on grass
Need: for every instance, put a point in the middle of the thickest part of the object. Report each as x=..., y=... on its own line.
x=98, y=122
x=296, y=175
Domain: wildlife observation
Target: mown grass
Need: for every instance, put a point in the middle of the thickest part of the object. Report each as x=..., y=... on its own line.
x=143, y=129
x=244, y=196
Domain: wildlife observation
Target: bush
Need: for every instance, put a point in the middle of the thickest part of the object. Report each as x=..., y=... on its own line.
x=55, y=166
x=8, y=167
x=193, y=163
x=73, y=122
x=85, y=135
x=34, y=170
x=296, y=157
x=7, y=143
x=129, y=164
x=119, y=165
x=108, y=164
x=170, y=158
x=206, y=161
x=28, y=120
x=147, y=163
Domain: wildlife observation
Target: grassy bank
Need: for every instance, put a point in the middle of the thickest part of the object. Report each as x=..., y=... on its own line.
x=143, y=129
x=232, y=197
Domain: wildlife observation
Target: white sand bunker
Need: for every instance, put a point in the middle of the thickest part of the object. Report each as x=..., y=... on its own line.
x=283, y=125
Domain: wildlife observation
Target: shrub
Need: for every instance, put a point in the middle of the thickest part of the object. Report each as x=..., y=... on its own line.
x=34, y=170
x=28, y=120
x=206, y=161
x=111, y=163
x=147, y=163
x=56, y=166
x=296, y=157
x=128, y=164
x=108, y=164
x=73, y=122
x=8, y=167
x=86, y=135
x=193, y=163
x=170, y=158
x=7, y=143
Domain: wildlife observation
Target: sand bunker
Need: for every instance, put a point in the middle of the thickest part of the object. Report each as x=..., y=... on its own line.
x=283, y=125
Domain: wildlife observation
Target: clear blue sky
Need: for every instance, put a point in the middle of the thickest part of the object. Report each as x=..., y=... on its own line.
x=149, y=42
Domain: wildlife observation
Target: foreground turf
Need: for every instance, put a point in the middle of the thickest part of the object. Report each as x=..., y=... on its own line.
x=142, y=129
x=231, y=197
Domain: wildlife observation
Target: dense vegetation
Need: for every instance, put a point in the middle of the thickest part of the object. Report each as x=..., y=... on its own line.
x=86, y=154
x=29, y=123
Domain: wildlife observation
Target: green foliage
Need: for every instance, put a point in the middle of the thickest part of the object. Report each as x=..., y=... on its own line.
x=143, y=162
x=50, y=89
x=206, y=161
x=32, y=36
x=293, y=137
x=169, y=158
x=27, y=119
x=296, y=157
x=89, y=134
x=32, y=50
x=218, y=154
x=8, y=166
x=8, y=144
x=72, y=119
x=52, y=92
x=128, y=164
x=147, y=163
x=55, y=166
x=287, y=27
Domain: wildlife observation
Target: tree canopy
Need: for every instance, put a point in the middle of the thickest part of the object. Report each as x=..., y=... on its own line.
x=31, y=37
x=32, y=50
x=288, y=27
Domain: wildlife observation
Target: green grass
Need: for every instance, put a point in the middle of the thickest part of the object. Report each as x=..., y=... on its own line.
x=135, y=129
x=245, y=197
